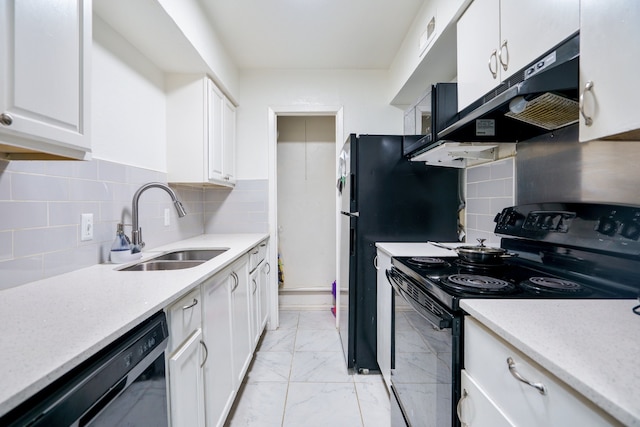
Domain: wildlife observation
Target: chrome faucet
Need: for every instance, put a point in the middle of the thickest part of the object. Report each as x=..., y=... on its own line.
x=136, y=234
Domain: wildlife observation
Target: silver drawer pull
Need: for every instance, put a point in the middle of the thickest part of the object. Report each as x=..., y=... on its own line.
x=206, y=353
x=512, y=368
x=588, y=87
x=459, y=407
x=193, y=304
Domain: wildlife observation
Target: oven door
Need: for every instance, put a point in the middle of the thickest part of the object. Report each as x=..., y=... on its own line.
x=425, y=352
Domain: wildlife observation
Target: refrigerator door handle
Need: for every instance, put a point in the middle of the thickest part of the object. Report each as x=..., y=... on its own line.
x=351, y=214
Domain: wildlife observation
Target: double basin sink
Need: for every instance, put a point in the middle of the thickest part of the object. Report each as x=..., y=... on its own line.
x=176, y=260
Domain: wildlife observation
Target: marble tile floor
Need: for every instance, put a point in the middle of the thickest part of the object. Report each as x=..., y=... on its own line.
x=298, y=377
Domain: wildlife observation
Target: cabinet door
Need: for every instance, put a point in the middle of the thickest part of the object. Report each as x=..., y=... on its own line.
x=186, y=383
x=476, y=409
x=265, y=271
x=384, y=310
x=241, y=319
x=216, y=102
x=218, y=369
x=530, y=28
x=45, y=76
x=229, y=141
x=478, y=32
x=185, y=316
x=254, y=296
x=609, y=58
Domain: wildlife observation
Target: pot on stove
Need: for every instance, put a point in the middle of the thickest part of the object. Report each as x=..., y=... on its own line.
x=479, y=254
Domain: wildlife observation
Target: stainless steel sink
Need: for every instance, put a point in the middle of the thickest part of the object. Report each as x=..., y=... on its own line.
x=191, y=255
x=162, y=265
x=176, y=260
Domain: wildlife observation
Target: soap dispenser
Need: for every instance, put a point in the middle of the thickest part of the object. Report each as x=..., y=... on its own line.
x=120, y=248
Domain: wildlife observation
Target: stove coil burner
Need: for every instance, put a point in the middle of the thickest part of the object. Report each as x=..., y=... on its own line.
x=552, y=284
x=469, y=265
x=478, y=284
x=428, y=262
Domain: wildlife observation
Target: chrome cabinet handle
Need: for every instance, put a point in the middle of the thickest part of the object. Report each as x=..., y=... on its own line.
x=255, y=286
x=588, y=87
x=512, y=368
x=375, y=262
x=268, y=268
x=505, y=49
x=459, y=407
x=236, y=281
x=193, y=304
x=206, y=353
x=493, y=70
x=6, y=119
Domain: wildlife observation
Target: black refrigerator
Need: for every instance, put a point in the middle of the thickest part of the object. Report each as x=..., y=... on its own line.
x=384, y=198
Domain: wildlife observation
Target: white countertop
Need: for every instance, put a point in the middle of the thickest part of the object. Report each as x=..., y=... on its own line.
x=50, y=326
x=592, y=345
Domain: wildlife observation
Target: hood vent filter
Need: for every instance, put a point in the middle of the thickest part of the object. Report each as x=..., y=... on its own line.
x=548, y=111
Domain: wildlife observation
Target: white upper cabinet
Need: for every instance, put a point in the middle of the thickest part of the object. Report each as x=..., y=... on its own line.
x=200, y=132
x=609, y=59
x=497, y=38
x=45, y=79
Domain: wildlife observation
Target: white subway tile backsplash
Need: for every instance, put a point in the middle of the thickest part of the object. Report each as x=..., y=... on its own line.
x=489, y=189
x=41, y=203
x=39, y=187
x=21, y=270
x=41, y=240
x=6, y=245
x=20, y=214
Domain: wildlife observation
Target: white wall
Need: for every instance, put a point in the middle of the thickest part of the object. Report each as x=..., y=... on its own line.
x=306, y=201
x=363, y=94
x=128, y=104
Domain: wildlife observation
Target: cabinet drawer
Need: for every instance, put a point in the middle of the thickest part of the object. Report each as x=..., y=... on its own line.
x=257, y=255
x=184, y=317
x=485, y=359
x=476, y=409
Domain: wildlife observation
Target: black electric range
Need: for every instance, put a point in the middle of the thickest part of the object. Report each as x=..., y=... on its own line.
x=554, y=251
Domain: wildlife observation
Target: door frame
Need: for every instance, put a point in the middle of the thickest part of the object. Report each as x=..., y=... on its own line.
x=273, y=113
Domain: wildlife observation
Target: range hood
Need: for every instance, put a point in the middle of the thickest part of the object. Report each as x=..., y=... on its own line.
x=540, y=98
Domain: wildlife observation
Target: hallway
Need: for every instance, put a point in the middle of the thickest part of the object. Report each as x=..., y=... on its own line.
x=299, y=377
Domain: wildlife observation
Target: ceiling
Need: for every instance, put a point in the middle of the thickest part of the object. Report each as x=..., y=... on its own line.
x=312, y=34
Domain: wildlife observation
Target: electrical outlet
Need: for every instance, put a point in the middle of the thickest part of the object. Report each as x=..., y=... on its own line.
x=86, y=227
x=167, y=217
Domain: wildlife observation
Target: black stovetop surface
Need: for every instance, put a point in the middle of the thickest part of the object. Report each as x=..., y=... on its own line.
x=506, y=279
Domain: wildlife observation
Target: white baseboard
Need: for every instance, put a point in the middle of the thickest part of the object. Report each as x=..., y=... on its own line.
x=305, y=299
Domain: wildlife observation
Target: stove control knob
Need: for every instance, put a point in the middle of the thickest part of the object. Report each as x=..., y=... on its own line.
x=630, y=230
x=607, y=226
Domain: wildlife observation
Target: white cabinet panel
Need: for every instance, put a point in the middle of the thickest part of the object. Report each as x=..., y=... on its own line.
x=497, y=38
x=384, y=291
x=609, y=59
x=185, y=316
x=218, y=369
x=186, y=383
x=45, y=78
x=485, y=361
x=241, y=319
x=476, y=409
x=200, y=132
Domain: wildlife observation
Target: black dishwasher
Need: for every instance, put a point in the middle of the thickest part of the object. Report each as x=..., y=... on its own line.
x=122, y=385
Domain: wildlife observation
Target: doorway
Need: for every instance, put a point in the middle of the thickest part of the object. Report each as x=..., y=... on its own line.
x=298, y=135
x=306, y=204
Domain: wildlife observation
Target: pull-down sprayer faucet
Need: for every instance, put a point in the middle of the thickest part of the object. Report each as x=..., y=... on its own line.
x=136, y=234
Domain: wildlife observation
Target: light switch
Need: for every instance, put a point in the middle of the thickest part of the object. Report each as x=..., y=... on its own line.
x=86, y=227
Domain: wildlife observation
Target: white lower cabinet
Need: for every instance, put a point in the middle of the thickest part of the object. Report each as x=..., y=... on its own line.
x=263, y=312
x=241, y=319
x=187, y=353
x=186, y=383
x=384, y=291
x=212, y=335
x=494, y=393
x=219, y=381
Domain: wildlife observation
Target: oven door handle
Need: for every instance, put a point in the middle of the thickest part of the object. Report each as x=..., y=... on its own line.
x=436, y=321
